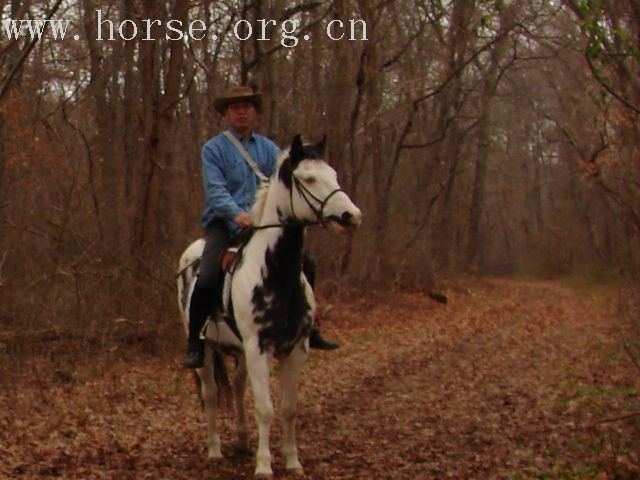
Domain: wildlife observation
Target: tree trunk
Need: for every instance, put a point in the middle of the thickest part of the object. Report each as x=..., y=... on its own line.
x=476, y=244
x=157, y=119
x=109, y=198
x=168, y=107
x=450, y=102
x=131, y=133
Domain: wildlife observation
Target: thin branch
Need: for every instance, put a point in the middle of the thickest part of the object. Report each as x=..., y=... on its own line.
x=87, y=149
x=415, y=104
x=425, y=217
x=25, y=53
x=628, y=416
x=626, y=347
x=405, y=48
x=433, y=141
x=628, y=76
x=279, y=46
x=603, y=82
x=308, y=7
x=2, y=262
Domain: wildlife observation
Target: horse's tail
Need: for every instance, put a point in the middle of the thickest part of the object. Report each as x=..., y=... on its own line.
x=196, y=377
x=221, y=378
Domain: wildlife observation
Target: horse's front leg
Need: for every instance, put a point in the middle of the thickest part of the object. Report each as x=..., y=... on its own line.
x=239, y=385
x=258, y=369
x=210, y=400
x=290, y=369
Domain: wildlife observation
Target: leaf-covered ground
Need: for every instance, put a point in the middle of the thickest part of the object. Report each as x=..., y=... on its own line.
x=511, y=379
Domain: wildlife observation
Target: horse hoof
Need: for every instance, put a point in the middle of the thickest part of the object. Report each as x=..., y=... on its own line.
x=263, y=476
x=296, y=472
x=214, y=456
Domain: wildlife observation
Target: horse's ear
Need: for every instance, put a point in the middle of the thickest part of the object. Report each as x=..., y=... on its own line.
x=297, y=151
x=321, y=146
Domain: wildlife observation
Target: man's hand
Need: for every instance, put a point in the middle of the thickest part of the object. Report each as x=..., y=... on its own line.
x=243, y=220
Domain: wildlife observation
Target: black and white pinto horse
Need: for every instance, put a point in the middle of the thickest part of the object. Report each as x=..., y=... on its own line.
x=271, y=303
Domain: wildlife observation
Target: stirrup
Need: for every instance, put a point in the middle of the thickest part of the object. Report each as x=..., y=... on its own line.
x=195, y=355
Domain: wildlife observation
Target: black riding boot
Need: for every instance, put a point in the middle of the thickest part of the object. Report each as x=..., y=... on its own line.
x=318, y=342
x=200, y=307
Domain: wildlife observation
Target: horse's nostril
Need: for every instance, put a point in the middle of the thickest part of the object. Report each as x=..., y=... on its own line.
x=346, y=216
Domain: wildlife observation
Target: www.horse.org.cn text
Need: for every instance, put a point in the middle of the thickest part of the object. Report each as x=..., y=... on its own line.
x=290, y=32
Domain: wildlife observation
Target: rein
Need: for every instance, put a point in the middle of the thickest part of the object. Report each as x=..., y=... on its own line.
x=284, y=225
x=305, y=193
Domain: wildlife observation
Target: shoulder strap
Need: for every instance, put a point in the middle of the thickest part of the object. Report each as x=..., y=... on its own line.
x=247, y=158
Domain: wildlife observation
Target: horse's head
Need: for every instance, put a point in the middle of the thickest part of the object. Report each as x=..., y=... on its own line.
x=314, y=192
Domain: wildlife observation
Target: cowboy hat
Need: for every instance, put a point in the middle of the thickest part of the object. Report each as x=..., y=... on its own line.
x=235, y=95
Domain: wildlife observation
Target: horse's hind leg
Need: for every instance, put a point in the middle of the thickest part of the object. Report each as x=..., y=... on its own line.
x=210, y=400
x=290, y=369
x=239, y=385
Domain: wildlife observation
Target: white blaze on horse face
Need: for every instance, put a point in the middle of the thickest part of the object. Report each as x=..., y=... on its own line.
x=321, y=180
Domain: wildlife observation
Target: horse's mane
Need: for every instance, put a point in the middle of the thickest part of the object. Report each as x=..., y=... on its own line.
x=258, y=206
x=257, y=211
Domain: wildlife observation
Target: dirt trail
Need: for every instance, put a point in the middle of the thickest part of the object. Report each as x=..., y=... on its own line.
x=480, y=389
x=509, y=380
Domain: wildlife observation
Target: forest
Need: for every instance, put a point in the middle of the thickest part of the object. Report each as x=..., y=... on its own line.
x=494, y=137
x=481, y=139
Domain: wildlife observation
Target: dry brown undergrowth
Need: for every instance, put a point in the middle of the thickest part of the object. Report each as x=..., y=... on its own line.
x=512, y=379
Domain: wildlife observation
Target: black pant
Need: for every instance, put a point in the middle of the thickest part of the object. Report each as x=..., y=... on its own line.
x=206, y=291
x=309, y=268
x=218, y=238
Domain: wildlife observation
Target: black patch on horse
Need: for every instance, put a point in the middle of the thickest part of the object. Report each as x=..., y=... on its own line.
x=285, y=173
x=280, y=303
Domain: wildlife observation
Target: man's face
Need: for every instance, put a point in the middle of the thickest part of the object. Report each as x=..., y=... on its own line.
x=241, y=116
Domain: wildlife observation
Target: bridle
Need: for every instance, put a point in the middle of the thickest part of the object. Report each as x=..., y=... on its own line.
x=309, y=199
x=305, y=193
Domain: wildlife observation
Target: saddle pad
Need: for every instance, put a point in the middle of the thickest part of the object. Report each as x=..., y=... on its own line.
x=226, y=291
x=228, y=258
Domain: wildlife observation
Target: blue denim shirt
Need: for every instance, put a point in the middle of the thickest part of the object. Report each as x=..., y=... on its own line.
x=230, y=185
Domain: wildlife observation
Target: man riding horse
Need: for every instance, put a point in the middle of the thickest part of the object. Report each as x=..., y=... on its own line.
x=230, y=183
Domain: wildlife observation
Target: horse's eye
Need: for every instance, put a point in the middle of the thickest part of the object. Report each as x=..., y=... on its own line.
x=310, y=180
